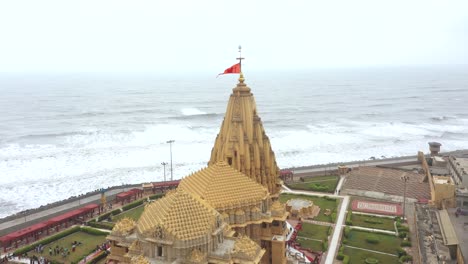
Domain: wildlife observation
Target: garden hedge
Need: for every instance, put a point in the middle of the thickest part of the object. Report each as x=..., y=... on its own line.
x=104, y=216
x=103, y=225
x=132, y=205
x=346, y=259
x=348, y=218
x=156, y=196
x=99, y=257
x=116, y=212
x=46, y=240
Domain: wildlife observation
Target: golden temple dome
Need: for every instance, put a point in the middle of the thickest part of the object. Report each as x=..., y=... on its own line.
x=180, y=215
x=222, y=187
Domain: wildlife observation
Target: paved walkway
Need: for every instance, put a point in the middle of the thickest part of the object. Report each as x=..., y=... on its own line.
x=337, y=231
x=375, y=230
x=373, y=251
x=308, y=238
x=356, y=164
x=62, y=208
x=340, y=183
x=318, y=222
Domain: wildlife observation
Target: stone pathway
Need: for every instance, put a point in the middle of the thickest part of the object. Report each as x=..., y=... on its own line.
x=375, y=230
x=337, y=231
x=373, y=251
x=318, y=223
x=308, y=238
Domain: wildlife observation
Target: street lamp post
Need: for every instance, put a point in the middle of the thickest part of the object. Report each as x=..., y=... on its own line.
x=170, y=151
x=404, y=178
x=164, y=165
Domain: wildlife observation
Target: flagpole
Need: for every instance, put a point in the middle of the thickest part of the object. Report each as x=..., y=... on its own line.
x=240, y=59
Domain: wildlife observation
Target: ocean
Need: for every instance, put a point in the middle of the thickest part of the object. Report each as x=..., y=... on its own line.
x=67, y=134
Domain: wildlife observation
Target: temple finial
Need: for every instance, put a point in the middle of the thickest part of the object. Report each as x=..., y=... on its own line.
x=241, y=78
x=240, y=59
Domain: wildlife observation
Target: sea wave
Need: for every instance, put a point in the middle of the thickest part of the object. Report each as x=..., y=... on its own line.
x=191, y=111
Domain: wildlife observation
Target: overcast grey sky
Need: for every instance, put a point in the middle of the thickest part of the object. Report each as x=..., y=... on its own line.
x=121, y=36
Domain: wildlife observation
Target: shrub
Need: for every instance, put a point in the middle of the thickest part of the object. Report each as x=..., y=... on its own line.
x=405, y=258
x=99, y=257
x=341, y=249
x=340, y=256
x=345, y=241
x=401, y=252
x=403, y=229
x=116, y=212
x=330, y=230
x=156, y=196
x=328, y=198
x=333, y=217
x=318, y=187
x=398, y=219
x=103, y=225
x=372, y=221
x=348, y=218
x=92, y=220
x=325, y=245
x=372, y=239
x=372, y=261
x=406, y=243
x=132, y=205
x=346, y=259
x=46, y=240
x=347, y=229
x=104, y=216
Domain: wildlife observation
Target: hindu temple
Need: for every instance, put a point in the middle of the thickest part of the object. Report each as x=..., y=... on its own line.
x=227, y=212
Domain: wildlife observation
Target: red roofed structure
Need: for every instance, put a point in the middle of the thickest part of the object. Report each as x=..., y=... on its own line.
x=129, y=195
x=35, y=231
x=286, y=175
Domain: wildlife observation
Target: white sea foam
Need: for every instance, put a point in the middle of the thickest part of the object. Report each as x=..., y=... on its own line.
x=98, y=159
x=192, y=111
x=62, y=142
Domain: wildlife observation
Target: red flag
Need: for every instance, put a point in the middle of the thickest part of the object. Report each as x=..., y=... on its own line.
x=233, y=69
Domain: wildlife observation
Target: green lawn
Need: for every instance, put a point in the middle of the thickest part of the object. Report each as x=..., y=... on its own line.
x=357, y=256
x=310, y=244
x=314, y=231
x=373, y=222
x=321, y=202
x=318, y=184
x=387, y=243
x=134, y=214
x=89, y=242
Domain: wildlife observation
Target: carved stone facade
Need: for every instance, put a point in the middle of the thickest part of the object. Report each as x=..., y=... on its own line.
x=225, y=213
x=243, y=143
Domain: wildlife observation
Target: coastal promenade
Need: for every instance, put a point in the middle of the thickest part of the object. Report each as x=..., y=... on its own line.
x=26, y=220
x=370, y=162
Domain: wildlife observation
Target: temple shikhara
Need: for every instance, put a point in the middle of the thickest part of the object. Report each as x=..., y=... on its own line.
x=227, y=212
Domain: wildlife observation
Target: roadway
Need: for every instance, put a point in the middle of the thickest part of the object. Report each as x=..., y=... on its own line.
x=48, y=213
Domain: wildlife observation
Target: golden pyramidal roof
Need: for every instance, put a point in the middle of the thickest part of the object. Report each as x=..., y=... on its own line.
x=242, y=141
x=221, y=185
x=180, y=215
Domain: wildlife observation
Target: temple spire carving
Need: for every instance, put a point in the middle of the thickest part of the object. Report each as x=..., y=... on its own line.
x=242, y=141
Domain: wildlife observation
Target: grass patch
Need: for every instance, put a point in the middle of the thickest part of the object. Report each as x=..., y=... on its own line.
x=310, y=244
x=386, y=243
x=359, y=256
x=134, y=214
x=314, y=231
x=373, y=222
x=321, y=202
x=318, y=184
x=89, y=242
